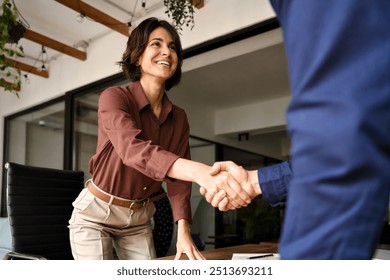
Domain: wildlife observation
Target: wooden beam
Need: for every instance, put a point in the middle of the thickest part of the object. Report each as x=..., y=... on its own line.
x=97, y=15
x=27, y=68
x=55, y=45
x=197, y=3
x=14, y=88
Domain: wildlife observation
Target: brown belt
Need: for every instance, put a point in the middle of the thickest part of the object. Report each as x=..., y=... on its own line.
x=132, y=204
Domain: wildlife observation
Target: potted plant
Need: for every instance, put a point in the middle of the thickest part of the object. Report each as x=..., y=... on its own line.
x=259, y=221
x=181, y=12
x=11, y=29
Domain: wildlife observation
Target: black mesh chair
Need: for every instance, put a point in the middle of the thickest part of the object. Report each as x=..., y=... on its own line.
x=39, y=204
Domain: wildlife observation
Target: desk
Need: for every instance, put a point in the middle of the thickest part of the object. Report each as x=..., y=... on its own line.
x=227, y=252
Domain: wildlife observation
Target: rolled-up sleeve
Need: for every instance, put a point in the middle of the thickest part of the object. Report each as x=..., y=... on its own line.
x=179, y=191
x=274, y=182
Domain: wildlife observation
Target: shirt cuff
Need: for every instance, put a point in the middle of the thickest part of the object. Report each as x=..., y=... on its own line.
x=274, y=181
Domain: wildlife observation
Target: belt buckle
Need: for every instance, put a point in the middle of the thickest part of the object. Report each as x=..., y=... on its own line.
x=132, y=204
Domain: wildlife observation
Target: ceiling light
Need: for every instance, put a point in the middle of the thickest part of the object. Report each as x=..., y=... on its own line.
x=80, y=17
x=26, y=79
x=44, y=54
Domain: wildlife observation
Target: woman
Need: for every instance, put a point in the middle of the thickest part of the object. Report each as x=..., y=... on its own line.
x=143, y=139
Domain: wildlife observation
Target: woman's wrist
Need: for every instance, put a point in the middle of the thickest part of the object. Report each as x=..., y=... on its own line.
x=187, y=170
x=183, y=226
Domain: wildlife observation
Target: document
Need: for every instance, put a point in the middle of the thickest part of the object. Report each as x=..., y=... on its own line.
x=255, y=256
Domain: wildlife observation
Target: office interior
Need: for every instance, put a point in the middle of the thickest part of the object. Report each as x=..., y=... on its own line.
x=234, y=90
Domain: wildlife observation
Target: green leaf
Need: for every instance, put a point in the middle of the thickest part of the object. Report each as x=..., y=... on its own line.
x=8, y=19
x=182, y=13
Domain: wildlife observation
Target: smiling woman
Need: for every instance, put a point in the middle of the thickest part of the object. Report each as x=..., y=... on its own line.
x=143, y=140
x=136, y=146
x=158, y=63
x=140, y=42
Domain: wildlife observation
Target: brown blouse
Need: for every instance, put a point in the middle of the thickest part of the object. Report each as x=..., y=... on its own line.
x=135, y=149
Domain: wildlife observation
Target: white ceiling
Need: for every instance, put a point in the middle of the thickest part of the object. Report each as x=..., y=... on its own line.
x=253, y=77
x=59, y=22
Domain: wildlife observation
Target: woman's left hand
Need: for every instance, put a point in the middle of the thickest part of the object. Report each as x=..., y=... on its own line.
x=185, y=244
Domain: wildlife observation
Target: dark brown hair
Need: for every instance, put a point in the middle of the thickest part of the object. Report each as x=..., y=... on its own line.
x=137, y=43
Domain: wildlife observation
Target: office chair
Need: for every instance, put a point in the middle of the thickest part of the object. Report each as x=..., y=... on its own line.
x=39, y=204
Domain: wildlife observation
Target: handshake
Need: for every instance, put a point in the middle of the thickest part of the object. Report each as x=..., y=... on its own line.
x=229, y=186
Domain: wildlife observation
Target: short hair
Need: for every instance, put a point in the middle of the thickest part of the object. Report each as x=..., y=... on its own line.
x=136, y=44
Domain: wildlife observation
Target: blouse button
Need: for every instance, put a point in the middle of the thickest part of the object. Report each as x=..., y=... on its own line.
x=144, y=188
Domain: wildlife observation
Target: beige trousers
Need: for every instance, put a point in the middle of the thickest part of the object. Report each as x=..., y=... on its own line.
x=97, y=227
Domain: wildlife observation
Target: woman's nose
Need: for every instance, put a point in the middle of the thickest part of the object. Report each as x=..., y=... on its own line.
x=166, y=50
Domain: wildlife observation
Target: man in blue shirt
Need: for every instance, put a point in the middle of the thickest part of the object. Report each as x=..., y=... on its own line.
x=339, y=124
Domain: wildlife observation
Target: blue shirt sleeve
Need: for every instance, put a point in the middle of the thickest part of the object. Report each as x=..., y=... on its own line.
x=274, y=181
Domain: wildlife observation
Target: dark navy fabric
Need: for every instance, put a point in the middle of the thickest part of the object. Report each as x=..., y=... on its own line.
x=274, y=182
x=339, y=123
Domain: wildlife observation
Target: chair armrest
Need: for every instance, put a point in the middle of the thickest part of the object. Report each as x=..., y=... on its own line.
x=20, y=256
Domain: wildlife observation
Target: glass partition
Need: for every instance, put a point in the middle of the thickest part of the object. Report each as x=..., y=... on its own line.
x=258, y=222
x=85, y=130
x=37, y=137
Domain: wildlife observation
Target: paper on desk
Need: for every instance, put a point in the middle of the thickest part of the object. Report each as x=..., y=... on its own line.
x=246, y=256
x=381, y=254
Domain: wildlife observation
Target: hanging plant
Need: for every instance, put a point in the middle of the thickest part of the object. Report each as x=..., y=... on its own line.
x=181, y=12
x=11, y=30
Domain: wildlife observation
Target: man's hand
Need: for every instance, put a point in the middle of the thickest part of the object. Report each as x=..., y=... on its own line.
x=247, y=179
x=222, y=184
